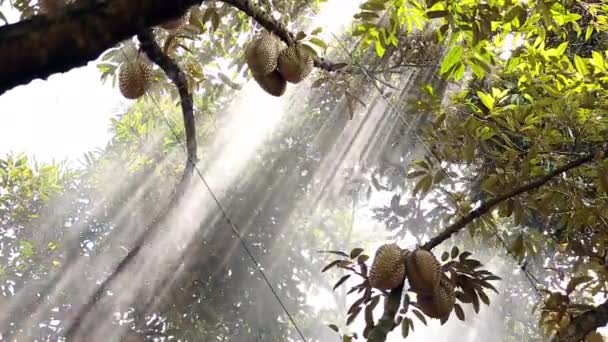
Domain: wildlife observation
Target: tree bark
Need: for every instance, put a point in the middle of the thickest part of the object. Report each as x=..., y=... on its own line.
x=44, y=45
x=584, y=324
x=177, y=76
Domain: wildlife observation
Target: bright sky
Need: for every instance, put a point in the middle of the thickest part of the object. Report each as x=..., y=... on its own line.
x=62, y=117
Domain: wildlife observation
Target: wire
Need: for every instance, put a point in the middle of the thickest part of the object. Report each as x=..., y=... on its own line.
x=235, y=230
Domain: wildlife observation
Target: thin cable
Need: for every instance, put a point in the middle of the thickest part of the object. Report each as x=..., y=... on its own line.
x=235, y=230
x=409, y=125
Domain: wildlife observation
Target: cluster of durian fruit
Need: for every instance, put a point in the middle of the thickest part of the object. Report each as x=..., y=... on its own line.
x=272, y=64
x=135, y=77
x=435, y=292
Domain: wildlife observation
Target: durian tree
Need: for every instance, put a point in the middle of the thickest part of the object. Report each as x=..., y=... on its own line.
x=533, y=105
x=529, y=127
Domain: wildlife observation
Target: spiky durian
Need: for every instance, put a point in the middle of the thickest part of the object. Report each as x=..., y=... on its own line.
x=439, y=304
x=388, y=269
x=51, y=6
x=178, y=23
x=273, y=83
x=134, y=79
x=423, y=271
x=295, y=63
x=262, y=53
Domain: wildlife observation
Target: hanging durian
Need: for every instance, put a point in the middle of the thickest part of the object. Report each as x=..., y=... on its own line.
x=51, y=6
x=273, y=83
x=262, y=53
x=388, y=269
x=134, y=78
x=424, y=271
x=178, y=23
x=295, y=63
x=439, y=304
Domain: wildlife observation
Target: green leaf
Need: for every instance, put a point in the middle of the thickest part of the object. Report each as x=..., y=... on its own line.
x=420, y=316
x=362, y=258
x=581, y=66
x=334, y=327
x=445, y=256
x=380, y=50
x=453, y=57
x=355, y=252
x=341, y=281
x=405, y=328
x=486, y=99
x=330, y=265
x=454, y=252
x=459, y=312
x=318, y=42
x=316, y=31
x=335, y=252
x=423, y=185
x=588, y=32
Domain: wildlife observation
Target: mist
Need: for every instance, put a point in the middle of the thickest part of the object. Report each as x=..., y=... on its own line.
x=288, y=177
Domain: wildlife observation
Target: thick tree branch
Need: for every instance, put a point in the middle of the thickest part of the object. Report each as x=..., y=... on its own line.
x=380, y=331
x=177, y=76
x=584, y=324
x=42, y=46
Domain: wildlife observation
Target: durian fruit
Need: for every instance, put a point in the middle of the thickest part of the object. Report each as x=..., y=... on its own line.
x=388, y=269
x=295, y=63
x=273, y=83
x=439, y=304
x=424, y=271
x=178, y=23
x=51, y=6
x=134, y=79
x=262, y=53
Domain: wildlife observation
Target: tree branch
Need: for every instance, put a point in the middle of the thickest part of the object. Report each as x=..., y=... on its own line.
x=387, y=322
x=584, y=324
x=485, y=207
x=44, y=45
x=380, y=331
x=177, y=76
